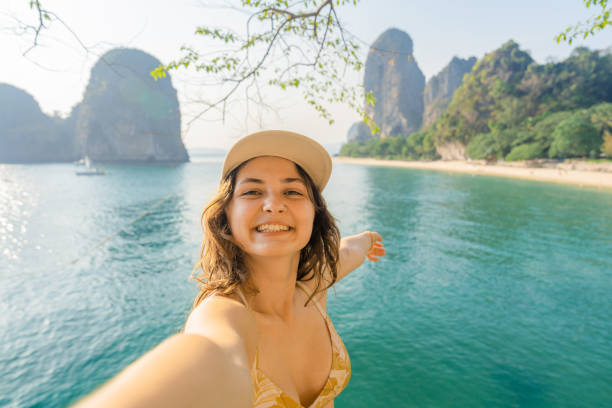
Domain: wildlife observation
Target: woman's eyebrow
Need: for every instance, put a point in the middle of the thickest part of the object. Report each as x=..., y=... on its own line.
x=250, y=180
x=293, y=180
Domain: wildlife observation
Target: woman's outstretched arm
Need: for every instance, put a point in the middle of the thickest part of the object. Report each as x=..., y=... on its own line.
x=194, y=369
x=354, y=249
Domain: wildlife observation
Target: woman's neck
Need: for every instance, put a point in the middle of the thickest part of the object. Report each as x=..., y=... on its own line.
x=274, y=278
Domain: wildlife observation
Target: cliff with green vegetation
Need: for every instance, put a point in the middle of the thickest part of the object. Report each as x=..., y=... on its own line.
x=509, y=107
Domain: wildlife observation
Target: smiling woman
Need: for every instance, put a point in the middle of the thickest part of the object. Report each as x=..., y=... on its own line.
x=251, y=338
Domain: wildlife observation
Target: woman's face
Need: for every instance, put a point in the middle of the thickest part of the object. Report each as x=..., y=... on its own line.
x=270, y=213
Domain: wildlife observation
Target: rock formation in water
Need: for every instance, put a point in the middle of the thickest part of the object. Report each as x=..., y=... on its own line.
x=440, y=88
x=126, y=115
x=396, y=81
x=27, y=135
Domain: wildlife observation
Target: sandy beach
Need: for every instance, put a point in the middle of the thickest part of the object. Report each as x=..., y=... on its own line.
x=568, y=172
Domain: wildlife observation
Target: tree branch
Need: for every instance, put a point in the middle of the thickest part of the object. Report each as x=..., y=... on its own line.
x=289, y=25
x=595, y=24
x=46, y=15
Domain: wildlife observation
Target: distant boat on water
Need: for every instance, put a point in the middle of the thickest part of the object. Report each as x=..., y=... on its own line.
x=88, y=170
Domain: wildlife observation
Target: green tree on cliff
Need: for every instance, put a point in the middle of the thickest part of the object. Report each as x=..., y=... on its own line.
x=575, y=137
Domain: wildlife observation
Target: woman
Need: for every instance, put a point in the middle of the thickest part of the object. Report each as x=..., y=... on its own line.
x=258, y=334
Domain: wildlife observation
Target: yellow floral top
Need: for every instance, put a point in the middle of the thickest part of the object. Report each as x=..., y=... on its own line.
x=269, y=395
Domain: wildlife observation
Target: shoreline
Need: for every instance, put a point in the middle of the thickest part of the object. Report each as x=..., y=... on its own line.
x=575, y=173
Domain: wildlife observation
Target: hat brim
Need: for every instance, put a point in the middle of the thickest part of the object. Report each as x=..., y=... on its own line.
x=302, y=150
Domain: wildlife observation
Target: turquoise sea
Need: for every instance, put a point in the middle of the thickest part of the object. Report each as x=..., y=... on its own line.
x=495, y=292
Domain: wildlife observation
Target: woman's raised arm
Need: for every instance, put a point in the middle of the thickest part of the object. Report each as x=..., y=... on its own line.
x=207, y=366
x=355, y=248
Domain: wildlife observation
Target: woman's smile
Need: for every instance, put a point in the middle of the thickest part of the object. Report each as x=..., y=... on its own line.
x=272, y=228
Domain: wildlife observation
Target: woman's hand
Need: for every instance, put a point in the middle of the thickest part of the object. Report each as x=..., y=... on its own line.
x=377, y=249
x=355, y=249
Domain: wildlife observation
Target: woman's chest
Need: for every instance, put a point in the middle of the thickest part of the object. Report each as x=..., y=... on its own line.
x=297, y=359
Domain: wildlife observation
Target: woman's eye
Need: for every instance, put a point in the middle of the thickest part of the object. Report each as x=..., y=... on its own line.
x=294, y=192
x=250, y=192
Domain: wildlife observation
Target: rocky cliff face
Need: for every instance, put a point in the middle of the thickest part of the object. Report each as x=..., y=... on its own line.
x=127, y=116
x=359, y=132
x=451, y=150
x=440, y=88
x=27, y=135
x=396, y=81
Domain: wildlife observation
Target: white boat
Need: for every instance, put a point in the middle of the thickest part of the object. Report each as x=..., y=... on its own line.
x=88, y=170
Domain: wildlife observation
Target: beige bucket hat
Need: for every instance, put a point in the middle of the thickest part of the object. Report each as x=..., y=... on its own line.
x=306, y=152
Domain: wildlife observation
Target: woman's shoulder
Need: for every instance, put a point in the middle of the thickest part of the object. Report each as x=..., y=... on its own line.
x=225, y=320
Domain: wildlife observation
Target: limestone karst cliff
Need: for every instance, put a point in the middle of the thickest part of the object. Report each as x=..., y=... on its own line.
x=127, y=116
x=359, y=132
x=440, y=88
x=397, y=83
x=27, y=135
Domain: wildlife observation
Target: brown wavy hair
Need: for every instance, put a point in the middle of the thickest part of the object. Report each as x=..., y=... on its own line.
x=222, y=262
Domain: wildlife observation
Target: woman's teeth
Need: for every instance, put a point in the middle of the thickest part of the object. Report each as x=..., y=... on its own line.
x=272, y=228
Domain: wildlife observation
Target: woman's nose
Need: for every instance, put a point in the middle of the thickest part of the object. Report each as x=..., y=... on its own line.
x=273, y=204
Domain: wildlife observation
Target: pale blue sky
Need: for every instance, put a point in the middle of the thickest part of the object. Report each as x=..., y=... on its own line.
x=57, y=72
